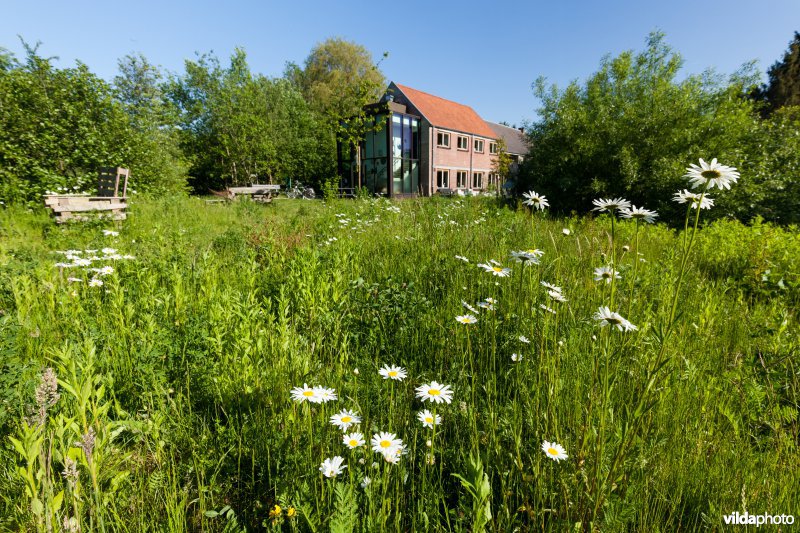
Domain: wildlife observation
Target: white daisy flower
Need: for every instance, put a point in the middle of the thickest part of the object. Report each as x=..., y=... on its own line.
x=469, y=307
x=495, y=269
x=607, y=317
x=703, y=200
x=639, y=213
x=105, y=271
x=546, y=309
x=109, y=233
x=462, y=258
x=427, y=419
x=524, y=339
x=325, y=394
x=94, y=282
x=435, y=392
x=516, y=357
x=535, y=201
x=466, y=319
x=610, y=204
x=353, y=440
x=566, y=231
x=305, y=394
x=345, y=419
x=108, y=251
x=487, y=304
x=713, y=174
x=396, y=373
x=82, y=262
x=365, y=482
x=550, y=286
x=525, y=257
x=557, y=296
x=386, y=443
x=332, y=467
x=554, y=451
x=606, y=273
x=75, y=280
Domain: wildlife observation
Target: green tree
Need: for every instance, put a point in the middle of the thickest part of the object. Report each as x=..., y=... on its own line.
x=783, y=87
x=632, y=128
x=238, y=127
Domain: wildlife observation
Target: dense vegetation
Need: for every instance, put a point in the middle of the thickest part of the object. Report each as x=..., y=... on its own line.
x=172, y=409
x=632, y=126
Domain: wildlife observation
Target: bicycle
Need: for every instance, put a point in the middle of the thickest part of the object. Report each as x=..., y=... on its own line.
x=298, y=191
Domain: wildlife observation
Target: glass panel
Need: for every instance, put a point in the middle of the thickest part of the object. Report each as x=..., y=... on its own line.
x=406, y=137
x=406, y=176
x=368, y=175
x=415, y=139
x=381, y=186
x=380, y=139
x=397, y=174
x=414, y=176
x=397, y=136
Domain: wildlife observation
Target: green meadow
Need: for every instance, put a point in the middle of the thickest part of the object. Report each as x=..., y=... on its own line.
x=162, y=399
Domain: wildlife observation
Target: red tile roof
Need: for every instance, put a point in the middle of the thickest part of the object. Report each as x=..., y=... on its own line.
x=447, y=114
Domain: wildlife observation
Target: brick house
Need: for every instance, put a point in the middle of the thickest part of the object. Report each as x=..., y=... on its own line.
x=421, y=144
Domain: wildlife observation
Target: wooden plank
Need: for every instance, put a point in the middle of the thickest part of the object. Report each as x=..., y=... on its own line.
x=255, y=189
x=94, y=206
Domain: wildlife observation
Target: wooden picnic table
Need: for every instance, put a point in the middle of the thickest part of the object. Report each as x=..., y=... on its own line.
x=259, y=193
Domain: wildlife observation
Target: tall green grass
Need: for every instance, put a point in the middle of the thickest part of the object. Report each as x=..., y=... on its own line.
x=181, y=367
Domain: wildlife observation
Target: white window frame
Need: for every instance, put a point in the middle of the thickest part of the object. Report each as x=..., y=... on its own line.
x=493, y=148
x=462, y=179
x=466, y=143
x=443, y=184
x=475, y=146
x=479, y=177
x=445, y=138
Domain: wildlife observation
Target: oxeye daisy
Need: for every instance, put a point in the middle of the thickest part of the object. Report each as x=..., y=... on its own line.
x=466, y=319
x=524, y=339
x=427, y=419
x=462, y=258
x=469, y=307
x=607, y=317
x=345, y=419
x=557, y=296
x=525, y=257
x=495, y=269
x=702, y=200
x=610, y=204
x=711, y=175
x=550, y=286
x=396, y=373
x=108, y=251
x=554, y=451
x=435, y=392
x=639, y=213
x=566, y=231
x=487, y=304
x=94, y=282
x=516, y=357
x=606, y=274
x=325, y=394
x=385, y=443
x=535, y=201
x=305, y=394
x=109, y=233
x=332, y=467
x=353, y=440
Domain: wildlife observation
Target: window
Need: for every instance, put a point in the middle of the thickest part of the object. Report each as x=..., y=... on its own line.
x=492, y=148
x=461, y=179
x=463, y=143
x=478, y=147
x=442, y=179
x=494, y=179
x=477, y=180
x=443, y=139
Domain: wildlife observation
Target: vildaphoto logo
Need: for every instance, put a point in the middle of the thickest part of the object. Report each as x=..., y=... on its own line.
x=742, y=519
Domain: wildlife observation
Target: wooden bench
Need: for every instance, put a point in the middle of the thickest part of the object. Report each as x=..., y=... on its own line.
x=259, y=193
x=108, y=203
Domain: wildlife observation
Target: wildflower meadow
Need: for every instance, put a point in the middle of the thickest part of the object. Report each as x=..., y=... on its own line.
x=442, y=364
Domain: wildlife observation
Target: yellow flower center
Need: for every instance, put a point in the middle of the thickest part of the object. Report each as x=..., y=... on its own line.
x=385, y=443
x=434, y=392
x=392, y=373
x=552, y=451
x=710, y=174
x=346, y=419
x=429, y=419
x=353, y=443
x=308, y=393
x=497, y=269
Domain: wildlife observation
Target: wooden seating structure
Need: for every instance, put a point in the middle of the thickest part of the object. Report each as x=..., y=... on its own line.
x=108, y=203
x=258, y=193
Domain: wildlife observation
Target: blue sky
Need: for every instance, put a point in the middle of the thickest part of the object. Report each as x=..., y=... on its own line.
x=484, y=54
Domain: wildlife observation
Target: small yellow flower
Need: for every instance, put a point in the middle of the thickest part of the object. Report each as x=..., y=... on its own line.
x=276, y=511
x=291, y=512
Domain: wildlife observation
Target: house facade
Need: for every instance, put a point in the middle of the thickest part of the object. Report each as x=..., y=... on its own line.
x=421, y=144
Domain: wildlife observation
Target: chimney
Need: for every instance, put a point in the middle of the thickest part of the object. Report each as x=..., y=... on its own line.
x=521, y=130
